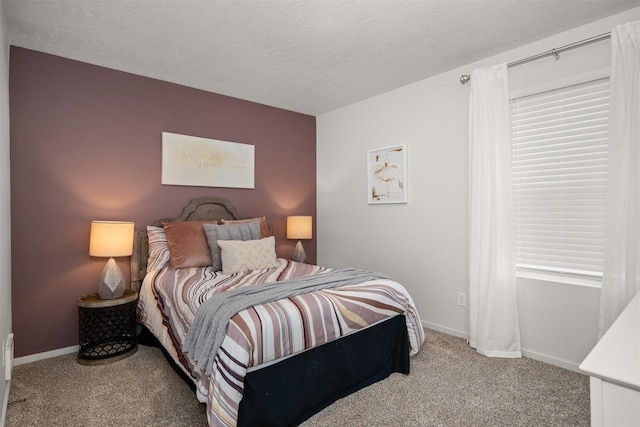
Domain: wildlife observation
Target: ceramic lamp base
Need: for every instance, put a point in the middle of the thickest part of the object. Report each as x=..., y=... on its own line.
x=298, y=253
x=111, y=282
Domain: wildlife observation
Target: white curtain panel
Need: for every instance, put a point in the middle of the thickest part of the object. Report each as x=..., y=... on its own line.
x=493, y=310
x=622, y=248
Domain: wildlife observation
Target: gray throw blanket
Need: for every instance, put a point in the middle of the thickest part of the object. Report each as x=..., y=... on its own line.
x=209, y=326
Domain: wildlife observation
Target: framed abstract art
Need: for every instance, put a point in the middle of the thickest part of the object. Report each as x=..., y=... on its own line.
x=387, y=175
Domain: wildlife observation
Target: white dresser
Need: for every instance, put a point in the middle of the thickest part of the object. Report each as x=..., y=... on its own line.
x=614, y=367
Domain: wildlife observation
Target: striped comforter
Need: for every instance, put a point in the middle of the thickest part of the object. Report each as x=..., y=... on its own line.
x=267, y=332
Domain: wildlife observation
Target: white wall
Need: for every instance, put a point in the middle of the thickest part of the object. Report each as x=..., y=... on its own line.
x=423, y=244
x=5, y=209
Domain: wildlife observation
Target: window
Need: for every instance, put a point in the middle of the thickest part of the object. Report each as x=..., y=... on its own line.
x=559, y=166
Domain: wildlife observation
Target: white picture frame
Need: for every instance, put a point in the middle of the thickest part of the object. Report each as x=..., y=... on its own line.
x=387, y=175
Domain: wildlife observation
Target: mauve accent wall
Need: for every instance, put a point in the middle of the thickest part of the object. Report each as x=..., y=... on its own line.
x=86, y=144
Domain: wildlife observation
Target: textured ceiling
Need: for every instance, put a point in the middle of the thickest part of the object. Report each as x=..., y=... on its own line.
x=309, y=56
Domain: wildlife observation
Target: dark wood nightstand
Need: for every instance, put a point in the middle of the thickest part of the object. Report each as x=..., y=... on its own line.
x=107, y=328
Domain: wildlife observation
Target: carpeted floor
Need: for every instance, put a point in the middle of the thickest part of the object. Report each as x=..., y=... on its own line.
x=449, y=385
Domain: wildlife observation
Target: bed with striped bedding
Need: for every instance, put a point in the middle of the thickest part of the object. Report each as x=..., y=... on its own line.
x=266, y=333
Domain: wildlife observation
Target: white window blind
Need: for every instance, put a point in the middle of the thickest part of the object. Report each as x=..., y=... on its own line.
x=559, y=165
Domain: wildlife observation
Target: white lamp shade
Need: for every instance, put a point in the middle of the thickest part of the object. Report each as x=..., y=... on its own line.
x=299, y=227
x=111, y=238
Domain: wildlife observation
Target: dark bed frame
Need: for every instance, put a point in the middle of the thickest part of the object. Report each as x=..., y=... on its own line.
x=288, y=392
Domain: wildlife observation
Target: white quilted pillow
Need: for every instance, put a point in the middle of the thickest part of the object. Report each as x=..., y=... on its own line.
x=238, y=255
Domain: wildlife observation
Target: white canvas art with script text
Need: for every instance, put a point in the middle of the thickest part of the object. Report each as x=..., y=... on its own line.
x=204, y=162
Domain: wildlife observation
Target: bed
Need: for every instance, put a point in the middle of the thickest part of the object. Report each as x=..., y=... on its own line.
x=280, y=359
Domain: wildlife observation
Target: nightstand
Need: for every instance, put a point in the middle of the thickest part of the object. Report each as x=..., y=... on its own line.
x=107, y=328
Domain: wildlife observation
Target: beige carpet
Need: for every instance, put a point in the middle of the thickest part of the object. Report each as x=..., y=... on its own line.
x=449, y=385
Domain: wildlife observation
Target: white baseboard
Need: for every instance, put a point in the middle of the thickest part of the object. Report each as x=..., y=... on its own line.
x=445, y=330
x=565, y=364
x=449, y=331
x=5, y=403
x=45, y=355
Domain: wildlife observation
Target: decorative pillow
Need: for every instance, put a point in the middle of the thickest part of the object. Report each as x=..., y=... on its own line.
x=265, y=230
x=248, y=231
x=187, y=243
x=159, y=255
x=239, y=256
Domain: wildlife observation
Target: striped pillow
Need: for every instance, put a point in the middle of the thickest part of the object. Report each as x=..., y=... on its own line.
x=159, y=256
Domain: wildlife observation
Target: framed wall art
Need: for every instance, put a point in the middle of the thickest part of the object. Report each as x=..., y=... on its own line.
x=387, y=175
x=190, y=160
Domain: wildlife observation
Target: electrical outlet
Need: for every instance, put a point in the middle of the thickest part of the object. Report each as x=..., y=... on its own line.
x=462, y=299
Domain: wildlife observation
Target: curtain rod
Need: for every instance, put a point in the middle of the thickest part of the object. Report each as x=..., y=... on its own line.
x=555, y=52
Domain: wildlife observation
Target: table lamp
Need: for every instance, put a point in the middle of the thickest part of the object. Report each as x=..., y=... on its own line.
x=111, y=239
x=299, y=227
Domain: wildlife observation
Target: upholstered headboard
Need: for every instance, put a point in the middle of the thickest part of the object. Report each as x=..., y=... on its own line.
x=200, y=209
